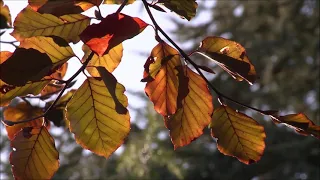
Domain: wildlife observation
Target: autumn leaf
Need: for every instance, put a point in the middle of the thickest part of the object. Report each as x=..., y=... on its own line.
x=194, y=115
x=161, y=77
x=30, y=23
x=111, y=31
x=20, y=112
x=238, y=135
x=186, y=8
x=8, y=92
x=62, y=7
x=34, y=154
x=25, y=65
x=117, y=1
x=94, y=117
x=5, y=16
x=110, y=61
x=230, y=56
x=301, y=123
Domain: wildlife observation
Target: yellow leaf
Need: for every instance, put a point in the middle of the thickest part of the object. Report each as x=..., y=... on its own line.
x=92, y=113
x=238, y=135
x=162, y=81
x=34, y=155
x=8, y=92
x=22, y=111
x=194, y=115
x=110, y=61
x=117, y=1
x=230, y=56
x=5, y=15
x=29, y=23
x=186, y=8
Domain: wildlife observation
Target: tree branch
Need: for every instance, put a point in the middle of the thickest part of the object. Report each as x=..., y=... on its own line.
x=122, y=6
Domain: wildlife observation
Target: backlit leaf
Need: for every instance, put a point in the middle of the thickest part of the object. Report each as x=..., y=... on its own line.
x=111, y=31
x=238, y=135
x=110, y=61
x=34, y=155
x=230, y=56
x=25, y=65
x=8, y=92
x=188, y=122
x=5, y=16
x=161, y=77
x=301, y=123
x=62, y=7
x=117, y=1
x=30, y=23
x=94, y=116
x=20, y=112
x=186, y=8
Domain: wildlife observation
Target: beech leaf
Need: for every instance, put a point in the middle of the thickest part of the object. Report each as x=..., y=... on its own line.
x=194, y=115
x=186, y=8
x=30, y=23
x=94, y=119
x=230, y=56
x=238, y=135
x=5, y=16
x=117, y=1
x=34, y=155
x=161, y=77
x=111, y=31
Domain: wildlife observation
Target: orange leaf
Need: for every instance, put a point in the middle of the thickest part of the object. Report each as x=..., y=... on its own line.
x=230, y=56
x=301, y=123
x=238, y=135
x=34, y=155
x=111, y=31
x=160, y=72
x=21, y=112
x=194, y=115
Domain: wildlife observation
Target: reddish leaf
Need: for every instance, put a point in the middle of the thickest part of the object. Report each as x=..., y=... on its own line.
x=162, y=80
x=111, y=31
x=194, y=115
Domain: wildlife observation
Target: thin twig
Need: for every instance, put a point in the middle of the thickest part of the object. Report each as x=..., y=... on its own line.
x=84, y=65
x=10, y=42
x=122, y=6
x=221, y=96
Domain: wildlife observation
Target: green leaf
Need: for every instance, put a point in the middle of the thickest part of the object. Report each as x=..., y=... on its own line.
x=185, y=8
x=5, y=16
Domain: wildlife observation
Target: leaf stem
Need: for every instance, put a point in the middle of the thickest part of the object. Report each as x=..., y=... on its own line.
x=122, y=6
x=221, y=96
x=84, y=65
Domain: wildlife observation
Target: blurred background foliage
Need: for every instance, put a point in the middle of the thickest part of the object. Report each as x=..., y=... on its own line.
x=282, y=41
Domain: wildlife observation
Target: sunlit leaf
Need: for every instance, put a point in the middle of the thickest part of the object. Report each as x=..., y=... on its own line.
x=238, y=135
x=194, y=113
x=230, y=56
x=186, y=8
x=8, y=92
x=301, y=123
x=20, y=112
x=95, y=116
x=117, y=1
x=25, y=65
x=110, y=60
x=111, y=31
x=5, y=16
x=161, y=77
x=30, y=23
x=34, y=155
x=62, y=7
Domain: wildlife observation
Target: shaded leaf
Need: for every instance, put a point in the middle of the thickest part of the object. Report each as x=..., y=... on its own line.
x=117, y=1
x=20, y=112
x=301, y=123
x=30, y=23
x=194, y=115
x=50, y=89
x=94, y=120
x=110, y=61
x=230, y=56
x=8, y=92
x=238, y=135
x=34, y=155
x=25, y=65
x=5, y=16
x=161, y=77
x=62, y=7
x=186, y=8
x=111, y=31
